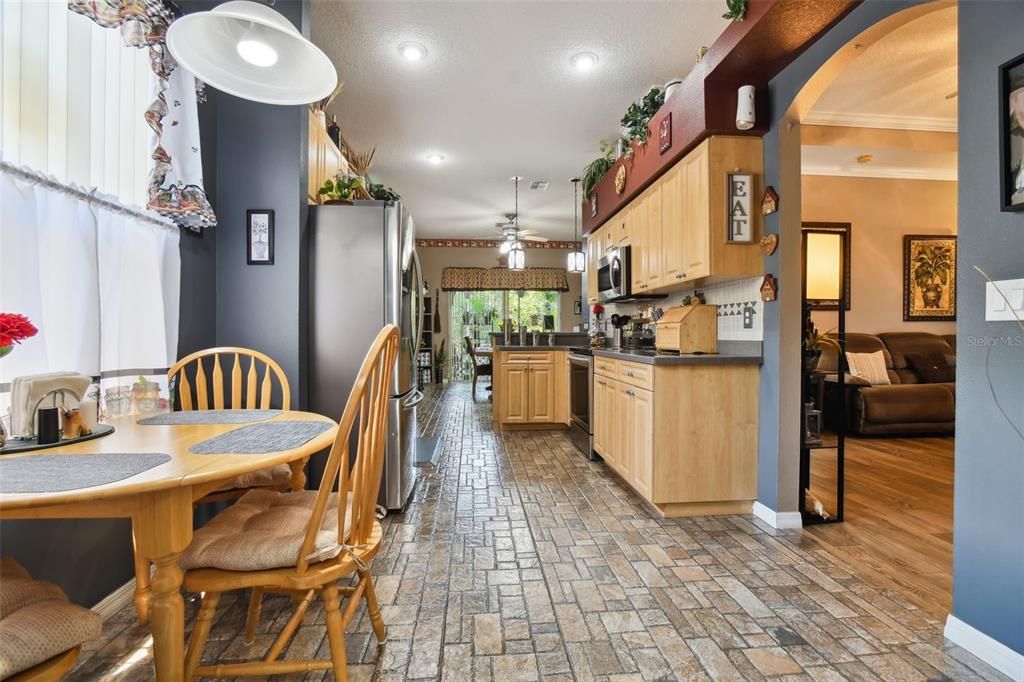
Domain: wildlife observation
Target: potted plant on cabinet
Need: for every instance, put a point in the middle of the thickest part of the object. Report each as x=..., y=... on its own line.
x=814, y=343
x=341, y=189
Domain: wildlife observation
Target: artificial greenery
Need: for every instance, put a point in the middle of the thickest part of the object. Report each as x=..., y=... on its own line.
x=440, y=355
x=381, y=193
x=737, y=10
x=340, y=188
x=639, y=114
x=932, y=265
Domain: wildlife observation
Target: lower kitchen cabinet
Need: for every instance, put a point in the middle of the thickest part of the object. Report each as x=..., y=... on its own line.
x=531, y=388
x=684, y=437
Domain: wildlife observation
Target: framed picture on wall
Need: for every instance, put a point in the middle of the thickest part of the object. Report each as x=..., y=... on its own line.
x=1011, y=134
x=260, y=236
x=577, y=307
x=929, y=278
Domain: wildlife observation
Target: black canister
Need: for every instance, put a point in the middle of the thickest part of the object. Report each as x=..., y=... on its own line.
x=48, y=425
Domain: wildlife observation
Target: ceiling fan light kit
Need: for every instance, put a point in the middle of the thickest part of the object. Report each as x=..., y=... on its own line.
x=249, y=50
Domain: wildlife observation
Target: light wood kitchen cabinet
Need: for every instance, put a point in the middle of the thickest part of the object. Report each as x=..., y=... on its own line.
x=683, y=436
x=531, y=387
x=678, y=226
x=595, y=249
x=325, y=159
x=540, y=382
x=515, y=393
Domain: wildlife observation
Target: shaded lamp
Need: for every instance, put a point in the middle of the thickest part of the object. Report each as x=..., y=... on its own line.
x=576, y=261
x=823, y=267
x=251, y=51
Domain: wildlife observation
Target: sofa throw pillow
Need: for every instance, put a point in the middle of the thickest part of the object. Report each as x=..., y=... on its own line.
x=933, y=368
x=869, y=366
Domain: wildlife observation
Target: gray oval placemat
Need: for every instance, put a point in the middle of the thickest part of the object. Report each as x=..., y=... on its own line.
x=259, y=439
x=209, y=417
x=60, y=473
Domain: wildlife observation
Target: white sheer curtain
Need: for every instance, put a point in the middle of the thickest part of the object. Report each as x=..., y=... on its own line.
x=101, y=281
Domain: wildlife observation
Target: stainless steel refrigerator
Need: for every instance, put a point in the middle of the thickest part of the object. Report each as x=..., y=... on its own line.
x=364, y=273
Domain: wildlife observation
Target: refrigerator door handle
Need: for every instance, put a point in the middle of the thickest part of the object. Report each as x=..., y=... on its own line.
x=415, y=399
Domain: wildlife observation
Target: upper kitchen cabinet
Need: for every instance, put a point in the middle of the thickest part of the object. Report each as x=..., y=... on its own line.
x=678, y=227
x=595, y=249
x=325, y=159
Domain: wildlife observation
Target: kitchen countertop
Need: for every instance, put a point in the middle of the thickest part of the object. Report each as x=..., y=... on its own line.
x=652, y=357
x=528, y=347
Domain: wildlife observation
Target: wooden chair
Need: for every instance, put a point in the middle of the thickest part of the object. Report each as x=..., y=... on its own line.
x=485, y=369
x=195, y=394
x=303, y=542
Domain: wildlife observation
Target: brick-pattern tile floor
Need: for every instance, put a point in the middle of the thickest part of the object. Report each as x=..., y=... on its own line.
x=520, y=560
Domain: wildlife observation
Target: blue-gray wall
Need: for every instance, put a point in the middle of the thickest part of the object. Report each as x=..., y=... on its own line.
x=988, y=533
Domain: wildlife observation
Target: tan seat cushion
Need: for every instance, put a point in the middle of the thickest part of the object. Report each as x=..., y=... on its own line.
x=274, y=476
x=37, y=621
x=263, y=530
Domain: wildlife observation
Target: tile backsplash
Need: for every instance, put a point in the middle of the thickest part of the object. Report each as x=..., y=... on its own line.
x=739, y=308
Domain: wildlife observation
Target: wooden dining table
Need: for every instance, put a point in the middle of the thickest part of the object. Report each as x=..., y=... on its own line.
x=159, y=501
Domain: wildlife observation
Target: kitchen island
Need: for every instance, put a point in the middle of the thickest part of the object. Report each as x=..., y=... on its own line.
x=531, y=386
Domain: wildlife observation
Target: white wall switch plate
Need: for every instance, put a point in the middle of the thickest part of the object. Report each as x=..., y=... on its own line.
x=997, y=307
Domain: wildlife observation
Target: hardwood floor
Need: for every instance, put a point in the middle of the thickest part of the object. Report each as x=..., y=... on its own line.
x=898, y=529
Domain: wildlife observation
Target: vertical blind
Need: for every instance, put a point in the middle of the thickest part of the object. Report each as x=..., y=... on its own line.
x=71, y=99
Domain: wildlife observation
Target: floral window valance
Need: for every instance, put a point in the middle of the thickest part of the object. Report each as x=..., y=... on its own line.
x=176, y=176
x=491, y=279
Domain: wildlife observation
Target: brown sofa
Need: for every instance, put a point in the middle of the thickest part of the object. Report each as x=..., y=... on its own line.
x=909, y=406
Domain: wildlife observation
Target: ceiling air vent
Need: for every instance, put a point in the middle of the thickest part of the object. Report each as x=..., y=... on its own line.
x=541, y=185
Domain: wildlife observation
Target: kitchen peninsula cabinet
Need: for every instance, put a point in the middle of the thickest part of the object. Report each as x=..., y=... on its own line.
x=683, y=436
x=531, y=386
x=678, y=226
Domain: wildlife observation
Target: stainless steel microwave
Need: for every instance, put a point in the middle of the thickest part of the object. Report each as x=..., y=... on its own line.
x=613, y=274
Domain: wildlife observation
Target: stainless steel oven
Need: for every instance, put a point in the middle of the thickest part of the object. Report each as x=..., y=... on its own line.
x=581, y=400
x=613, y=274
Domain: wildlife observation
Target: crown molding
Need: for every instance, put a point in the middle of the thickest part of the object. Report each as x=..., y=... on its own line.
x=892, y=121
x=887, y=172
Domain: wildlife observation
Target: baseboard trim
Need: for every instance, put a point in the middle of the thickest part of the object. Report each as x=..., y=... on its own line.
x=995, y=653
x=116, y=600
x=780, y=520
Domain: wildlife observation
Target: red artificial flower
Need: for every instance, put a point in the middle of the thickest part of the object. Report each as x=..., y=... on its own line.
x=598, y=308
x=15, y=328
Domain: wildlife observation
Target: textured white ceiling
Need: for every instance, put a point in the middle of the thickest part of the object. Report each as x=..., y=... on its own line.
x=497, y=96
x=899, y=82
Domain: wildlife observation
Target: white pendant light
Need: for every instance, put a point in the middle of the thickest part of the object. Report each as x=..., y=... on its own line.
x=251, y=51
x=517, y=257
x=516, y=253
x=576, y=260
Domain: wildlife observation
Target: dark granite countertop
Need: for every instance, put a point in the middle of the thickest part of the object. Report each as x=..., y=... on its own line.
x=651, y=357
x=528, y=347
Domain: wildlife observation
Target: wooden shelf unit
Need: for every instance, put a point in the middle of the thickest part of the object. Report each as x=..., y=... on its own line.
x=425, y=353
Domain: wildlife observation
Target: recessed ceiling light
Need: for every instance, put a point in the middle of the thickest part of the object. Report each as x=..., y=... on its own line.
x=435, y=159
x=412, y=51
x=865, y=158
x=584, y=61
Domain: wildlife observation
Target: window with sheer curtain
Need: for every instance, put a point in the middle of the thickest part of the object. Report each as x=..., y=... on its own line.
x=96, y=273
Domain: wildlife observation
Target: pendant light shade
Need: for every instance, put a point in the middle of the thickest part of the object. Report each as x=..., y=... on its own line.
x=517, y=257
x=576, y=261
x=251, y=51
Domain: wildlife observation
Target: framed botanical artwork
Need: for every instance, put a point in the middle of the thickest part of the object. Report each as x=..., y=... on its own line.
x=1011, y=134
x=929, y=277
x=577, y=307
x=260, y=236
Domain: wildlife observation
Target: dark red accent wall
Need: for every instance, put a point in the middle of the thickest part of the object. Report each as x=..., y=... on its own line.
x=748, y=52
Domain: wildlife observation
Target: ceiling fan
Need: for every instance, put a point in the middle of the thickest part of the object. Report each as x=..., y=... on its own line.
x=511, y=231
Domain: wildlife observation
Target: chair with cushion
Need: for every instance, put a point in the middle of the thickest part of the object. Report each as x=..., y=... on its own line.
x=480, y=369
x=303, y=542
x=253, y=376
x=41, y=632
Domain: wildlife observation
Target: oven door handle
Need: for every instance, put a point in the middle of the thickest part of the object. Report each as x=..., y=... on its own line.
x=580, y=359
